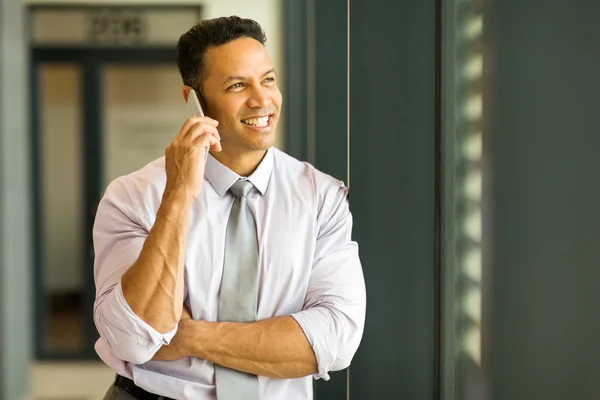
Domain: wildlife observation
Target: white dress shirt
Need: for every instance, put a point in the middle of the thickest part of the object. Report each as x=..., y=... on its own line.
x=309, y=268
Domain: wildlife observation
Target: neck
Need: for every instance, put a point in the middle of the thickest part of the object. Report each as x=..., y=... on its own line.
x=242, y=164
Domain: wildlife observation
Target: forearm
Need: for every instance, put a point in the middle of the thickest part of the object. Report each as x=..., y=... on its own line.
x=154, y=285
x=274, y=347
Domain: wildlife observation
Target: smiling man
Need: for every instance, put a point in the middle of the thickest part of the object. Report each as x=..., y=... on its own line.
x=234, y=277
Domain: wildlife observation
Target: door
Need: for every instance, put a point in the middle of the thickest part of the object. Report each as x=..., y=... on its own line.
x=98, y=114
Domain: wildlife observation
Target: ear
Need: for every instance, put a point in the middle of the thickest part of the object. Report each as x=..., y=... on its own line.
x=186, y=93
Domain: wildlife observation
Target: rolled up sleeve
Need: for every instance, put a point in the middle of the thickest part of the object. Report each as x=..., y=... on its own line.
x=333, y=316
x=118, y=238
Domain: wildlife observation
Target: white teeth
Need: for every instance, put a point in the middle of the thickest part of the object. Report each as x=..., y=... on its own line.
x=259, y=122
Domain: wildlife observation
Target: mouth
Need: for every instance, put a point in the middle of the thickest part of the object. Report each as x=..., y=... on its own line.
x=260, y=122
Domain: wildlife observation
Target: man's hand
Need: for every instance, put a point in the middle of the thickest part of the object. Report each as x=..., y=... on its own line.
x=185, y=313
x=184, y=157
x=175, y=350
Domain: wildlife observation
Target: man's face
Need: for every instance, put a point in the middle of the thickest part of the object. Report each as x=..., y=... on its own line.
x=240, y=91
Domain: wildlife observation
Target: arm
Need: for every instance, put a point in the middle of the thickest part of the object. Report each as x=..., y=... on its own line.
x=119, y=235
x=153, y=286
x=333, y=316
x=139, y=274
x=274, y=347
x=322, y=337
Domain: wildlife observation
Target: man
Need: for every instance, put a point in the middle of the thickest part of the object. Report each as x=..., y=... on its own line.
x=234, y=277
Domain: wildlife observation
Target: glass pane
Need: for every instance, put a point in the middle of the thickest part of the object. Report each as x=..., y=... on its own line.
x=61, y=175
x=143, y=112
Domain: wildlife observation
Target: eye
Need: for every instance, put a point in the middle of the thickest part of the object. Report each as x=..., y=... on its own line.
x=236, y=85
x=269, y=80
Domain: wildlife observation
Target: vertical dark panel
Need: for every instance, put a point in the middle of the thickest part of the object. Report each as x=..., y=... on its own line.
x=295, y=105
x=392, y=179
x=392, y=169
x=438, y=204
x=39, y=322
x=331, y=99
x=547, y=194
x=331, y=122
x=92, y=153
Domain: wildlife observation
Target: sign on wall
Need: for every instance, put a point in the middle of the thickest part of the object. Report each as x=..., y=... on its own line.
x=110, y=26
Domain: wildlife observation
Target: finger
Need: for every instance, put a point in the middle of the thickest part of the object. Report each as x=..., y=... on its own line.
x=187, y=125
x=216, y=133
x=195, y=120
x=199, y=129
x=217, y=146
x=211, y=121
x=208, y=120
x=208, y=139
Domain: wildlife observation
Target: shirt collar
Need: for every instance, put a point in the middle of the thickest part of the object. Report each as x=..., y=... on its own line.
x=222, y=178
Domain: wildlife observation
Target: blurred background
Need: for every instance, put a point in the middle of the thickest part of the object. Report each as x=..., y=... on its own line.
x=467, y=131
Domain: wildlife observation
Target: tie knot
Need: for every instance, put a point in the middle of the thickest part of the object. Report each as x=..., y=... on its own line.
x=241, y=188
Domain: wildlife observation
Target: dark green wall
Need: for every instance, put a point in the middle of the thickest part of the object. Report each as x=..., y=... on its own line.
x=330, y=113
x=546, y=183
x=392, y=183
x=393, y=193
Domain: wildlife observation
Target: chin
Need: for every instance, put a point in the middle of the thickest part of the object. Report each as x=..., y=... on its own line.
x=263, y=143
x=262, y=146
x=252, y=146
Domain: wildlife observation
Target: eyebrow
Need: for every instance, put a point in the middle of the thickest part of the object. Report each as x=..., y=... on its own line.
x=243, y=78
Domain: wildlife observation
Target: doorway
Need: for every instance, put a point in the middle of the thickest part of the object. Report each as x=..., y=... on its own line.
x=100, y=110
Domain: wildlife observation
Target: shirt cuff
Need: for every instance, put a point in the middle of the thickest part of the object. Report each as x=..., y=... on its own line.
x=126, y=319
x=315, y=323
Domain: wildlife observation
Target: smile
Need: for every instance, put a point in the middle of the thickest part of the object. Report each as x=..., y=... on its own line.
x=259, y=122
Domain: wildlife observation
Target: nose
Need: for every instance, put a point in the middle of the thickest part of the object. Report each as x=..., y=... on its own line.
x=259, y=98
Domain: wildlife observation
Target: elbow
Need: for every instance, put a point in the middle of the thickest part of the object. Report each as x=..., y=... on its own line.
x=340, y=364
x=133, y=354
x=348, y=336
x=129, y=346
x=346, y=352
x=129, y=349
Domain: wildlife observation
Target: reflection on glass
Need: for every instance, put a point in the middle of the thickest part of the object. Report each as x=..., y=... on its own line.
x=61, y=171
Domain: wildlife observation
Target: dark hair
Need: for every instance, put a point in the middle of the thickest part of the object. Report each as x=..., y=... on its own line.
x=193, y=44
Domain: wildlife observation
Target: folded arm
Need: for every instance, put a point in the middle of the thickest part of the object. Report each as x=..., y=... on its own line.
x=274, y=347
x=323, y=337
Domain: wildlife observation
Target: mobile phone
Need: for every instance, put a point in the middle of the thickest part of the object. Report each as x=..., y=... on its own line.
x=193, y=108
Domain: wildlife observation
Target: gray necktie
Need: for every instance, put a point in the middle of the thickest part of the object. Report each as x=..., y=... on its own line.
x=239, y=289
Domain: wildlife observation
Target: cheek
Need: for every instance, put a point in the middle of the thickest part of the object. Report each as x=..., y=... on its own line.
x=276, y=96
x=228, y=113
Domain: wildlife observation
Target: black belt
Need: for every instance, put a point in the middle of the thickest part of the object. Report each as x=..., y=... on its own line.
x=127, y=385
